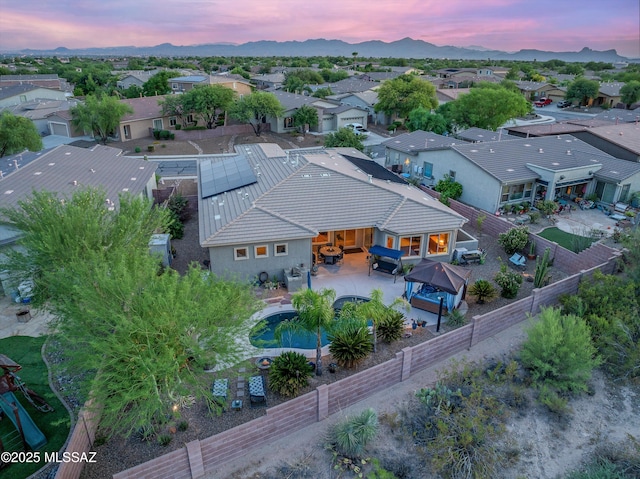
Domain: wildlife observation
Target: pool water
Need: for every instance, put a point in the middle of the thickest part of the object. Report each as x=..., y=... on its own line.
x=264, y=336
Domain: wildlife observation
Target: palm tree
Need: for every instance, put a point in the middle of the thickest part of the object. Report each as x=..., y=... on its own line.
x=315, y=313
x=375, y=311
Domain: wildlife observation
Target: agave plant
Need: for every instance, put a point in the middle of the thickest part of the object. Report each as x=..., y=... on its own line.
x=483, y=290
x=289, y=373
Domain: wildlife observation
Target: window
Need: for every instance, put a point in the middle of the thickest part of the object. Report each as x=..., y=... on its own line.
x=516, y=192
x=427, y=169
x=23, y=98
x=189, y=118
x=323, y=237
x=127, y=132
x=452, y=175
x=624, y=194
x=157, y=124
x=438, y=243
x=240, y=253
x=173, y=121
x=288, y=122
x=261, y=251
x=390, y=241
x=410, y=245
x=174, y=86
x=281, y=249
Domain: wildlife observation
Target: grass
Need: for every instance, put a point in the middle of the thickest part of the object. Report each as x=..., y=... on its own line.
x=568, y=241
x=55, y=425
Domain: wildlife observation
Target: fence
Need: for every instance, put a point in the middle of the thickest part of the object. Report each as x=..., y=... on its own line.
x=245, y=129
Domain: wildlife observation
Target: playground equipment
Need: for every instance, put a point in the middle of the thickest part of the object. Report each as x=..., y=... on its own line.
x=31, y=436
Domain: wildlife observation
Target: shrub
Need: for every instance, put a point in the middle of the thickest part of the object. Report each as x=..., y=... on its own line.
x=554, y=402
x=137, y=149
x=163, y=135
x=559, y=351
x=350, y=342
x=178, y=204
x=151, y=148
x=534, y=217
x=289, y=373
x=172, y=136
x=156, y=134
x=455, y=319
x=178, y=126
x=175, y=227
x=164, y=439
x=448, y=189
x=509, y=281
x=542, y=269
x=350, y=437
x=514, y=240
x=483, y=290
x=183, y=426
x=391, y=326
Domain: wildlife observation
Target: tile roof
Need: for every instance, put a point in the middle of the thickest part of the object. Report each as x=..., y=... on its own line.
x=419, y=140
x=507, y=160
x=13, y=90
x=625, y=135
x=481, y=135
x=56, y=171
x=301, y=192
x=144, y=108
x=620, y=116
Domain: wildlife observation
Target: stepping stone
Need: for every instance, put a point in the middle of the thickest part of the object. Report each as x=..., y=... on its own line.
x=240, y=393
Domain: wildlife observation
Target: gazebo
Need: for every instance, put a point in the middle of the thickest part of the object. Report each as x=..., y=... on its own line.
x=431, y=280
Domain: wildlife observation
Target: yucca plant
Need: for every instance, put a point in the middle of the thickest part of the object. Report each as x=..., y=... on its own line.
x=350, y=342
x=350, y=437
x=289, y=373
x=542, y=269
x=391, y=327
x=483, y=290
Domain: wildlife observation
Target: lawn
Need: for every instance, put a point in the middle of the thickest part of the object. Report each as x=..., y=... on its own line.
x=55, y=425
x=568, y=241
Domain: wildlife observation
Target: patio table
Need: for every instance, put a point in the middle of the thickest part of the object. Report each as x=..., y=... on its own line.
x=330, y=253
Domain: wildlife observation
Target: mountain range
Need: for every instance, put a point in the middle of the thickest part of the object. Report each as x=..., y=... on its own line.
x=405, y=48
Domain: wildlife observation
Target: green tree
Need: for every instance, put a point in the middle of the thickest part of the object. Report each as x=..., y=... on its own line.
x=343, y=137
x=255, y=108
x=315, y=313
x=448, y=189
x=134, y=91
x=100, y=115
x=514, y=240
x=423, y=119
x=17, y=134
x=154, y=330
x=582, y=90
x=208, y=102
x=322, y=92
x=487, y=107
x=559, y=351
x=305, y=115
x=158, y=84
x=174, y=105
x=406, y=93
x=630, y=93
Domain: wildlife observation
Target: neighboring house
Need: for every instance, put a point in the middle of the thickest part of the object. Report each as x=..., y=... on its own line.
x=348, y=85
x=331, y=114
x=480, y=135
x=186, y=83
x=496, y=174
x=38, y=111
x=138, y=78
x=550, y=129
x=403, y=153
x=61, y=123
x=16, y=94
x=235, y=82
x=445, y=95
x=464, y=77
x=365, y=100
x=50, y=81
x=146, y=117
x=608, y=95
x=621, y=140
x=66, y=168
x=269, y=81
x=533, y=90
x=290, y=202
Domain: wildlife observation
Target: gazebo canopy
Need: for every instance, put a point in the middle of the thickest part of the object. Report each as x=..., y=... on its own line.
x=444, y=276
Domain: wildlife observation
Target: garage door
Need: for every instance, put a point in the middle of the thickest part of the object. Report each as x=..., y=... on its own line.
x=59, y=129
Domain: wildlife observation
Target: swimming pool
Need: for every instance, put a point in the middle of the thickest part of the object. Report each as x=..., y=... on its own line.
x=264, y=336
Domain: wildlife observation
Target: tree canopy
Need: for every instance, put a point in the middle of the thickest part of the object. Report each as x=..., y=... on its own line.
x=305, y=115
x=17, y=134
x=344, y=137
x=630, y=93
x=406, y=93
x=208, y=101
x=140, y=335
x=158, y=84
x=582, y=90
x=423, y=119
x=255, y=108
x=100, y=115
x=487, y=107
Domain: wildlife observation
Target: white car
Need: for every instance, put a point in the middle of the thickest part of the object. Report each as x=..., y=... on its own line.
x=357, y=128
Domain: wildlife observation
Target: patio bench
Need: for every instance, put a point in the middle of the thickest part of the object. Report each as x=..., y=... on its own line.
x=518, y=260
x=219, y=390
x=256, y=390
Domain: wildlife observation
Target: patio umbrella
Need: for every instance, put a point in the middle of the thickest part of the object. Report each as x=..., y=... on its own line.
x=444, y=276
x=309, y=279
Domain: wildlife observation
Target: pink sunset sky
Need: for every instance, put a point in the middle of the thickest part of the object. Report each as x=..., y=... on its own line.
x=508, y=25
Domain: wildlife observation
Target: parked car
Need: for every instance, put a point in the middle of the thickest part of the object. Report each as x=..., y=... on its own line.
x=357, y=128
x=542, y=102
x=564, y=104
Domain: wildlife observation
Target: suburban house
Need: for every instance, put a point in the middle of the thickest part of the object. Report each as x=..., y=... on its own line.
x=621, y=140
x=186, y=83
x=135, y=78
x=60, y=123
x=533, y=90
x=496, y=174
x=365, y=100
x=16, y=94
x=39, y=111
x=268, y=81
x=64, y=169
x=464, y=77
x=331, y=114
x=480, y=135
x=43, y=80
x=264, y=210
x=608, y=94
x=146, y=117
x=445, y=95
x=235, y=82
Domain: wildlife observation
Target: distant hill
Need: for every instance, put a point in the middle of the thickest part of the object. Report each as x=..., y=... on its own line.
x=405, y=48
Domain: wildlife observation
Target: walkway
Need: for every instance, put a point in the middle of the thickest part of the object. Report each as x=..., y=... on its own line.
x=37, y=325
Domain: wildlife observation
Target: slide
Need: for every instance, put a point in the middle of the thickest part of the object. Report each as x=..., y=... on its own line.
x=32, y=434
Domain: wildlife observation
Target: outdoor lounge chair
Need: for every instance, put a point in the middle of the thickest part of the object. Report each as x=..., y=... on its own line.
x=518, y=260
x=219, y=391
x=256, y=390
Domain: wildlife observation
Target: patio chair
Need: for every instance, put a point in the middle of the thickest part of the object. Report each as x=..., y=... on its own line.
x=257, y=390
x=219, y=391
x=518, y=260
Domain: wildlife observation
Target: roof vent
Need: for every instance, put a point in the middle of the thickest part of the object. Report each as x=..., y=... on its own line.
x=569, y=152
x=540, y=150
x=92, y=170
x=370, y=178
x=74, y=182
x=491, y=150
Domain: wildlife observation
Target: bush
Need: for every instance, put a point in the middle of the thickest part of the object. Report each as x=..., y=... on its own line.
x=178, y=204
x=391, y=327
x=175, y=227
x=164, y=439
x=163, y=135
x=156, y=134
x=554, y=402
x=509, y=281
x=350, y=437
x=289, y=373
x=514, y=240
x=534, y=217
x=151, y=148
x=195, y=127
x=455, y=319
x=559, y=351
x=541, y=274
x=137, y=149
x=178, y=126
x=483, y=290
x=350, y=342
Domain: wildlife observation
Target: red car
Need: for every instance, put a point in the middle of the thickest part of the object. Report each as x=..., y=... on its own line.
x=542, y=102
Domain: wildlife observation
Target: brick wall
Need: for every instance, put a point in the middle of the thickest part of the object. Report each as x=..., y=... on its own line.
x=81, y=440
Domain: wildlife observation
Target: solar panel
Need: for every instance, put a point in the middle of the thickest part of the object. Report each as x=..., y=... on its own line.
x=226, y=175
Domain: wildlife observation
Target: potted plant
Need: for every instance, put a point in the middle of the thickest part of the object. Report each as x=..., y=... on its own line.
x=532, y=250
